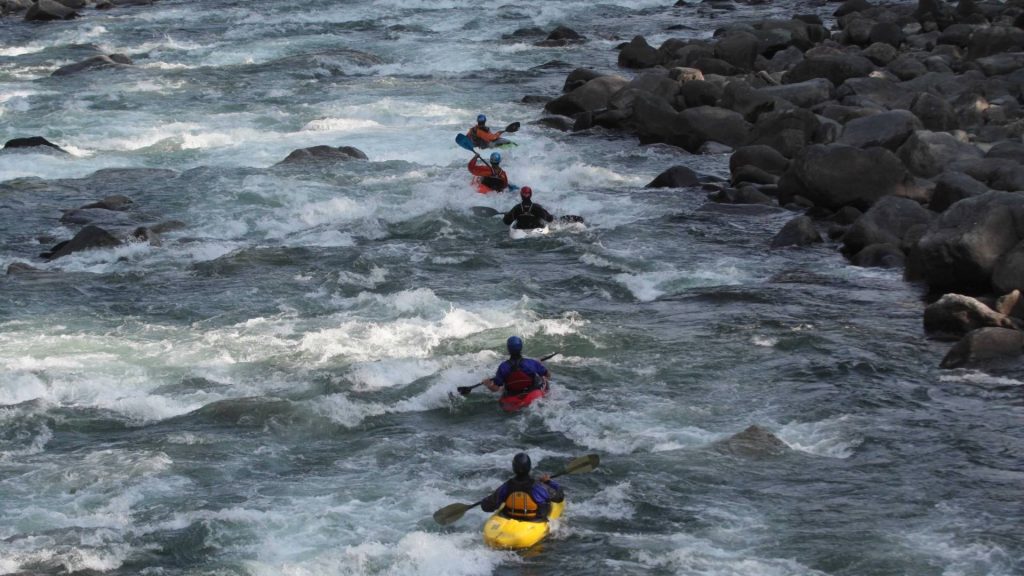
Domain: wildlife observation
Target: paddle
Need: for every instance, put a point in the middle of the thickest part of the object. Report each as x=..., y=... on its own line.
x=453, y=512
x=465, y=390
x=484, y=211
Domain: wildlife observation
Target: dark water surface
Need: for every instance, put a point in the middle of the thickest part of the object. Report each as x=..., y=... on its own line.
x=268, y=391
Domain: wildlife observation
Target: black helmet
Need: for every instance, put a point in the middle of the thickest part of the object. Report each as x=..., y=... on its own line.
x=521, y=464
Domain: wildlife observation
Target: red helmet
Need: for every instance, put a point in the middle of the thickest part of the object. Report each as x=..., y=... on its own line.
x=526, y=193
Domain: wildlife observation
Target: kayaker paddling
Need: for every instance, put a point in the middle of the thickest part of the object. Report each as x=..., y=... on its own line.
x=481, y=135
x=491, y=176
x=527, y=215
x=518, y=376
x=524, y=498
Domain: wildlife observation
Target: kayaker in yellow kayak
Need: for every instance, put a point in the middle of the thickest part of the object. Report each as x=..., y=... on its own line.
x=524, y=497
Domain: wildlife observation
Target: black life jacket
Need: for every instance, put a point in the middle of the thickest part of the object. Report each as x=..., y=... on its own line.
x=478, y=141
x=526, y=219
x=519, y=381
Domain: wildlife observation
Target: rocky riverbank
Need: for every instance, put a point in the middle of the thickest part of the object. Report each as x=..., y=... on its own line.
x=896, y=134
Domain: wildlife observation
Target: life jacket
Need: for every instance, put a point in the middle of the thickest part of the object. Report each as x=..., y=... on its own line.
x=518, y=381
x=497, y=182
x=477, y=140
x=520, y=503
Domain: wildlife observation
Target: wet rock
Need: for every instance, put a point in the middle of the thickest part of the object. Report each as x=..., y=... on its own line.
x=45, y=10
x=594, y=95
x=875, y=92
x=168, y=226
x=745, y=194
x=323, y=153
x=675, y=177
x=88, y=238
x=753, y=175
x=698, y=93
x=887, y=33
x=887, y=129
x=799, y=231
x=888, y=221
x=695, y=126
x=907, y=67
x=961, y=248
x=579, y=77
x=787, y=131
x=557, y=122
x=879, y=256
x=989, y=40
x=94, y=63
x=144, y=234
x=752, y=442
x=562, y=36
x=954, y=315
x=712, y=147
x=32, y=142
x=99, y=217
x=984, y=344
x=951, y=187
x=116, y=202
x=738, y=48
x=997, y=173
x=17, y=268
x=1008, y=151
x=999, y=64
x=639, y=54
x=836, y=175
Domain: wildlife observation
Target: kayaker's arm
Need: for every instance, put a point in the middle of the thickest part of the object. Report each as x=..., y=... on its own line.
x=492, y=502
x=511, y=215
x=555, y=493
x=489, y=383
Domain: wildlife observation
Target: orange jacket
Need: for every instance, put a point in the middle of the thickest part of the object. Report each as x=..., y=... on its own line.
x=483, y=137
x=485, y=171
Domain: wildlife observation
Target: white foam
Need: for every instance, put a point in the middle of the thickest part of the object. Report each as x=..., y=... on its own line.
x=764, y=341
x=979, y=378
x=341, y=125
x=833, y=438
x=611, y=502
x=686, y=554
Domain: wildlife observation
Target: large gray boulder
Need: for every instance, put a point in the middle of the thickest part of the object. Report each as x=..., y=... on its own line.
x=989, y=40
x=999, y=64
x=935, y=113
x=675, y=177
x=639, y=54
x=32, y=142
x=954, y=315
x=738, y=48
x=888, y=221
x=879, y=256
x=787, y=131
x=836, y=175
x=961, y=248
x=594, y=95
x=875, y=92
x=984, y=344
x=887, y=129
x=579, y=77
x=763, y=157
x=997, y=173
x=1009, y=271
x=752, y=442
x=695, y=126
x=927, y=153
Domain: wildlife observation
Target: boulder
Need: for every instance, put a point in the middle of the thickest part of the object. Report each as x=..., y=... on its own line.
x=888, y=221
x=879, y=256
x=1008, y=274
x=799, y=231
x=874, y=92
x=880, y=54
x=836, y=175
x=907, y=67
x=579, y=77
x=31, y=142
x=856, y=31
x=739, y=49
x=697, y=93
x=837, y=68
x=696, y=126
x=887, y=129
x=984, y=344
x=562, y=36
x=323, y=153
x=88, y=238
x=16, y=268
x=752, y=442
x=557, y=122
x=887, y=33
x=784, y=60
x=753, y=175
x=44, y=10
x=746, y=194
x=675, y=177
x=787, y=131
x=112, y=202
x=999, y=64
x=935, y=113
x=927, y=153
x=951, y=187
x=989, y=40
x=762, y=157
x=683, y=74
x=852, y=6
x=94, y=63
x=997, y=173
x=639, y=54
x=961, y=248
x=802, y=94
x=954, y=315
x=739, y=96
x=594, y=95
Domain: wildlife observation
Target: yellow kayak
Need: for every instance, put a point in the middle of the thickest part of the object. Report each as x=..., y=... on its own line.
x=506, y=533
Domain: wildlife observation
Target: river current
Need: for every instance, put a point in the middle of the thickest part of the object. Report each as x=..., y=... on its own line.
x=269, y=391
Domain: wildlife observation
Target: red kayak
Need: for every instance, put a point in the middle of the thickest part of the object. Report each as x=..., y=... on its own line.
x=516, y=402
x=482, y=187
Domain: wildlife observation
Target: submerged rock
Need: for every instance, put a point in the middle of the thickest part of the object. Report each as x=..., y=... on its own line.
x=31, y=142
x=88, y=238
x=324, y=153
x=675, y=177
x=94, y=63
x=984, y=344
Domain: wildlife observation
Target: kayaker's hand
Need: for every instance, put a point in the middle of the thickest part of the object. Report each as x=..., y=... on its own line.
x=545, y=478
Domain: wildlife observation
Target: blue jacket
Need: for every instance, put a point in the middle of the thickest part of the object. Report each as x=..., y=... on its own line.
x=528, y=365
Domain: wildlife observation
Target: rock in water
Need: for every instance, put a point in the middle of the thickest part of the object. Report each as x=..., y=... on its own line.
x=984, y=344
x=675, y=177
x=31, y=142
x=322, y=153
x=754, y=441
x=88, y=238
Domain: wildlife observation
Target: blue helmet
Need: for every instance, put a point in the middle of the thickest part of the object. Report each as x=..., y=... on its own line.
x=481, y=119
x=495, y=158
x=514, y=344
